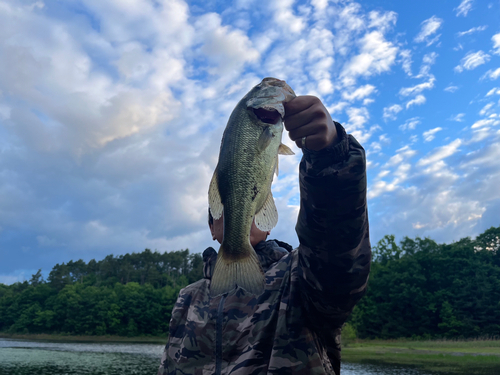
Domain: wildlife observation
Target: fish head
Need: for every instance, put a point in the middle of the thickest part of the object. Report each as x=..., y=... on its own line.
x=266, y=100
x=278, y=83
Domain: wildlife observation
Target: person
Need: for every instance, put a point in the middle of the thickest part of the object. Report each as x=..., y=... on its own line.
x=294, y=327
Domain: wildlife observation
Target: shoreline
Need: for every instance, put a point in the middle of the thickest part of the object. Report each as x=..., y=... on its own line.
x=440, y=356
x=72, y=338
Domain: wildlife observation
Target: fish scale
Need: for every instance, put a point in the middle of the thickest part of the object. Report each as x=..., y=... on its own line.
x=241, y=185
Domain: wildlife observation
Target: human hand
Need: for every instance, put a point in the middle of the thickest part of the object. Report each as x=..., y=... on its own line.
x=306, y=116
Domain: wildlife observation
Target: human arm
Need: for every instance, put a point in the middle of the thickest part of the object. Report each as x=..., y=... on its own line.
x=334, y=252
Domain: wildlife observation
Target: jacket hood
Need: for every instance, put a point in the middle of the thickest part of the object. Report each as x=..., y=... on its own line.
x=269, y=252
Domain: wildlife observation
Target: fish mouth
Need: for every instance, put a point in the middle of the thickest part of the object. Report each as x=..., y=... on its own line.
x=268, y=116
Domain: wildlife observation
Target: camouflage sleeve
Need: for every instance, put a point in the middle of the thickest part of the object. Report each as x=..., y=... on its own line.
x=334, y=253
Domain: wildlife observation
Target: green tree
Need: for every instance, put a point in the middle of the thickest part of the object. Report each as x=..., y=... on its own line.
x=37, y=278
x=424, y=289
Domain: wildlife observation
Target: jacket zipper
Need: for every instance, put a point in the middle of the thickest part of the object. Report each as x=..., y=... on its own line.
x=218, y=336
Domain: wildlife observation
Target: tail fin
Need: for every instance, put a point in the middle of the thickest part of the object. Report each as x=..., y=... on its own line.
x=245, y=272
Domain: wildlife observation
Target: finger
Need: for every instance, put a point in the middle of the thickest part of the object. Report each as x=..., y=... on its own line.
x=312, y=128
x=299, y=104
x=313, y=113
x=312, y=142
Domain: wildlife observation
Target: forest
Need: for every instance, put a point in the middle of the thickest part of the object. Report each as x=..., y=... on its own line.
x=127, y=295
x=417, y=289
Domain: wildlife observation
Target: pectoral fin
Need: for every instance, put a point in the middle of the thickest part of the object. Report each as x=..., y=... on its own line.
x=282, y=150
x=214, y=199
x=267, y=218
x=264, y=139
x=285, y=150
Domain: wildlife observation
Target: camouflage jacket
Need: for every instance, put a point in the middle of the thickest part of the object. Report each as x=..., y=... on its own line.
x=294, y=326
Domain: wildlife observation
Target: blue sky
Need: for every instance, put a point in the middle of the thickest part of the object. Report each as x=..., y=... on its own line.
x=111, y=115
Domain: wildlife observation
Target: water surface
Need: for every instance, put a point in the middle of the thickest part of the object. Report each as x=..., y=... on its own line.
x=22, y=357
x=19, y=357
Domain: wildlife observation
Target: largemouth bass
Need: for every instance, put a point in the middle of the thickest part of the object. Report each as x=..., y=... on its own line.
x=241, y=185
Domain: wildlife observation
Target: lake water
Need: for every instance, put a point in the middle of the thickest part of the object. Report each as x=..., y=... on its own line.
x=20, y=357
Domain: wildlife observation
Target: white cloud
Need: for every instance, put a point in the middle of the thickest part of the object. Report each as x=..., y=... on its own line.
x=390, y=113
x=228, y=48
x=428, y=60
x=384, y=139
x=350, y=18
x=491, y=74
x=496, y=43
x=400, y=174
x=320, y=5
x=357, y=117
x=464, y=8
x=375, y=147
x=406, y=91
x=406, y=61
x=97, y=118
x=305, y=60
x=485, y=122
x=472, y=30
x=378, y=188
x=376, y=55
x=452, y=208
x=480, y=134
x=486, y=110
x=441, y=153
x=472, y=60
x=402, y=154
x=382, y=20
x=429, y=135
x=451, y=88
x=20, y=276
x=359, y=93
x=429, y=27
x=458, y=118
x=410, y=124
x=110, y=134
x=285, y=17
x=418, y=100
x=337, y=107
x=382, y=174
x=493, y=91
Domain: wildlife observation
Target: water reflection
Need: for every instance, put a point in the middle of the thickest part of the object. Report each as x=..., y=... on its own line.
x=18, y=357
x=371, y=369
x=93, y=347
x=45, y=358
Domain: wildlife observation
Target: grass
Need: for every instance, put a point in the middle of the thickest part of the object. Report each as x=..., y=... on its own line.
x=72, y=338
x=480, y=356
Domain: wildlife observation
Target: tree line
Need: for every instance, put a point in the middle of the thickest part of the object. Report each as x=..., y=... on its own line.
x=128, y=295
x=417, y=288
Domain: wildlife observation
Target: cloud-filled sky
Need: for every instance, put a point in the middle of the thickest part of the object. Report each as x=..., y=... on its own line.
x=112, y=112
